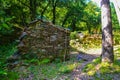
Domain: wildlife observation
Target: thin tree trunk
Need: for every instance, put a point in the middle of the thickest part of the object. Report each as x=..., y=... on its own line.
x=42, y=13
x=33, y=9
x=65, y=19
x=54, y=13
x=107, y=37
x=73, y=24
x=88, y=27
x=117, y=9
x=54, y=5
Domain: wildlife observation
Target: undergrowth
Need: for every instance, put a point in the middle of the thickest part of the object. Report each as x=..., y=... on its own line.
x=5, y=52
x=103, y=71
x=86, y=42
x=45, y=69
x=48, y=71
x=90, y=40
x=116, y=37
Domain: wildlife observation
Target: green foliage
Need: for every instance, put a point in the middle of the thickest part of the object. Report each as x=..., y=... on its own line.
x=73, y=35
x=81, y=14
x=67, y=68
x=50, y=71
x=97, y=60
x=116, y=37
x=103, y=70
x=3, y=72
x=5, y=52
x=76, y=15
x=89, y=67
x=32, y=61
x=45, y=61
x=37, y=61
x=93, y=16
x=5, y=19
x=6, y=26
x=57, y=60
x=87, y=42
x=10, y=76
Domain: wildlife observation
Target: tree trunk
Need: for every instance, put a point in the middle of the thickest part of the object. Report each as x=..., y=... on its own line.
x=54, y=5
x=54, y=13
x=107, y=37
x=33, y=9
x=73, y=24
x=88, y=27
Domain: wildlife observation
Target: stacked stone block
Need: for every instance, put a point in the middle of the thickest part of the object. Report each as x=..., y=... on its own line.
x=45, y=40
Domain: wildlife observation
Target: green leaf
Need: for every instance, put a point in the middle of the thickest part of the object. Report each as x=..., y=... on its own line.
x=2, y=72
x=8, y=19
x=5, y=26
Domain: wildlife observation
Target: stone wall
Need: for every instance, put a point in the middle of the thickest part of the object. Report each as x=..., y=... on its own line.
x=44, y=40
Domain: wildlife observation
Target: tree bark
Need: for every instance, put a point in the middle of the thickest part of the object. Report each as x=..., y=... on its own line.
x=107, y=36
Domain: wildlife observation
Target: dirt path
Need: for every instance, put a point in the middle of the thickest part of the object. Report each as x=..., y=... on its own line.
x=78, y=74
x=87, y=56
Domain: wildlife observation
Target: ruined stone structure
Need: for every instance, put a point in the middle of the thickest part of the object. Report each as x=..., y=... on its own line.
x=44, y=40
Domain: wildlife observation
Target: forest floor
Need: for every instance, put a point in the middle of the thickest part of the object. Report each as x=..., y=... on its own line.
x=59, y=71
x=82, y=65
x=69, y=70
x=77, y=73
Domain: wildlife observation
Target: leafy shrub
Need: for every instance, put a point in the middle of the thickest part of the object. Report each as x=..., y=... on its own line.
x=5, y=52
x=10, y=76
x=57, y=60
x=6, y=27
x=3, y=72
x=73, y=35
x=45, y=61
x=37, y=61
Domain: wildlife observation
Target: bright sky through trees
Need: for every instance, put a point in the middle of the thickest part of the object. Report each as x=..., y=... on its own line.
x=116, y=5
x=97, y=1
x=117, y=8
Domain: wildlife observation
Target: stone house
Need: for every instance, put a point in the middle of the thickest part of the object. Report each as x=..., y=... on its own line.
x=44, y=40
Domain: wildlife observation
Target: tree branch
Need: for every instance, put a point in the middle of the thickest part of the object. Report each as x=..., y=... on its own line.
x=24, y=4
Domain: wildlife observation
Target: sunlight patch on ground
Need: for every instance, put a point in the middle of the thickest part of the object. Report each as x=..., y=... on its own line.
x=94, y=51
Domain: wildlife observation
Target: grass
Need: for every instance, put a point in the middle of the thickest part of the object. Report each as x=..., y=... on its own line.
x=48, y=71
x=116, y=37
x=104, y=71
